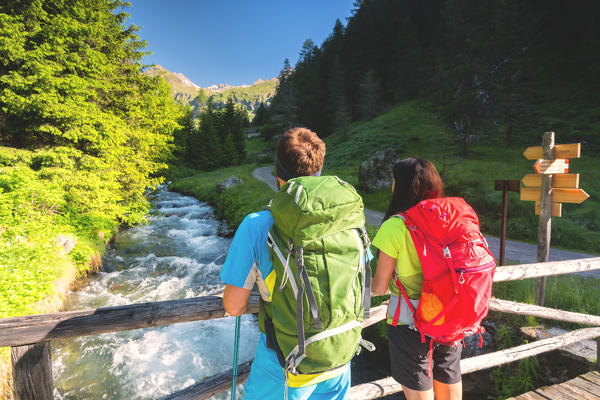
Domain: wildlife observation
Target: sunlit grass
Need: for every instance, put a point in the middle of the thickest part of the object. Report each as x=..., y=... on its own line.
x=412, y=129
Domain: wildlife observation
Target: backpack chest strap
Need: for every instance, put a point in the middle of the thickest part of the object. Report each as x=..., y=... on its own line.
x=296, y=355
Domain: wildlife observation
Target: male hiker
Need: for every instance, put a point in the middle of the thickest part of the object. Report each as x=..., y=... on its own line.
x=297, y=301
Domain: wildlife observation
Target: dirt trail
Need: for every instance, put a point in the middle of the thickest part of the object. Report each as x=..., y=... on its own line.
x=518, y=252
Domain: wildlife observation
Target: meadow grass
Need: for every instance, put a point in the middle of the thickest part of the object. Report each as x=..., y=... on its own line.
x=260, y=150
x=412, y=129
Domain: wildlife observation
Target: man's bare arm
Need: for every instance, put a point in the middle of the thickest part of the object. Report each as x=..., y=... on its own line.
x=235, y=300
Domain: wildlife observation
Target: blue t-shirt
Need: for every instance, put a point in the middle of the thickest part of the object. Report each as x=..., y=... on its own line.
x=248, y=260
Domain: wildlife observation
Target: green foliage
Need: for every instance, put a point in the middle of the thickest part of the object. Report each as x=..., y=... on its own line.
x=35, y=206
x=70, y=77
x=511, y=380
x=83, y=134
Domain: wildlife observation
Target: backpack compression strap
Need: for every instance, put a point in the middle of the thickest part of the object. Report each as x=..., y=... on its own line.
x=304, y=284
x=366, y=264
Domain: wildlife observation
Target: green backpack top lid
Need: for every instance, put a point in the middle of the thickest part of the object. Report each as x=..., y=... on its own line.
x=311, y=207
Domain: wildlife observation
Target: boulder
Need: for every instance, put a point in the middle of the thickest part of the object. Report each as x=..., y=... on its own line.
x=66, y=242
x=228, y=183
x=376, y=172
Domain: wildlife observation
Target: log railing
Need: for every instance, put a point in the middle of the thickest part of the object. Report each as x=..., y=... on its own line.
x=30, y=336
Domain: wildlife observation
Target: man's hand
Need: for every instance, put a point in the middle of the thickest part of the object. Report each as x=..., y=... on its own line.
x=235, y=300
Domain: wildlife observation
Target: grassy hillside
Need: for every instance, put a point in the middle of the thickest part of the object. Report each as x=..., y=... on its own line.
x=413, y=129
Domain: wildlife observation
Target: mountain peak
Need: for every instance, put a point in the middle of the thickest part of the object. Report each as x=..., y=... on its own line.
x=219, y=87
x=185, y=91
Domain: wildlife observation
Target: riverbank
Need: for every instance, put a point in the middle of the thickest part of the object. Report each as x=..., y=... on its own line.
x=232, y=204
x=46, y=242
x=69, y=270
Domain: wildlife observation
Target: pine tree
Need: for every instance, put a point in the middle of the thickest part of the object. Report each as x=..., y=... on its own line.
x=370, y=95
x=284, y=110
x=181, y=136
x=260, y=116
x=211, y=145
x=241, y=123
x=340, y=106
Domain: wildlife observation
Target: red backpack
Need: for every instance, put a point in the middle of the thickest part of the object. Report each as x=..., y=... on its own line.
x=457, y=268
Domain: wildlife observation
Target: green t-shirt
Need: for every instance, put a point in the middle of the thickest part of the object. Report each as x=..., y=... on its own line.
x=393, y=238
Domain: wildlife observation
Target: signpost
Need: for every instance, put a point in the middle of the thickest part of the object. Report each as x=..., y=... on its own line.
x=505, y=186
x=558, y=166
x=549, y=188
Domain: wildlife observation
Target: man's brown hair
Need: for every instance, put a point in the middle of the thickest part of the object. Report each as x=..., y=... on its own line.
x=301, y=152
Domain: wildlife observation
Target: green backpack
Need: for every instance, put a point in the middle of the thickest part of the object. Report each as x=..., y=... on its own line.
x=319, y=247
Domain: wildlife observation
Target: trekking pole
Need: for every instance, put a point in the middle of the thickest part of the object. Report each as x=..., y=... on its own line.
x=236, y=345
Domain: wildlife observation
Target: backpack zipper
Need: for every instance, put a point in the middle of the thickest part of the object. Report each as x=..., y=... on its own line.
x=476, y=269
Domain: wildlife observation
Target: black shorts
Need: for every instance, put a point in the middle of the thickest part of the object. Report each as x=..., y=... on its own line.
x=409, y=359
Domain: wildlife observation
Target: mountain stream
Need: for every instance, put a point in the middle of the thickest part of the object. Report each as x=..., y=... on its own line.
x=176, y=255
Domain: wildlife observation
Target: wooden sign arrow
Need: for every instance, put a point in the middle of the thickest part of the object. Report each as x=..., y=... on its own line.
x=560, y=151
x=510, y=185
x=549, y=167
x=558, y=180
x=559, y=195
x=555, y=212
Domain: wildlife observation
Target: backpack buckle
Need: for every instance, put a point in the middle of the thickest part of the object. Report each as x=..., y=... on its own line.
x=446, y=252
x=290, y=364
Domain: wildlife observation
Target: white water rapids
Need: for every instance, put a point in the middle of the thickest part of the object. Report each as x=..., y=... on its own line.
x=177, y=255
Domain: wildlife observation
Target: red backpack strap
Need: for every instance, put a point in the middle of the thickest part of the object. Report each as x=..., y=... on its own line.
x=410, y=306
x=399, y=285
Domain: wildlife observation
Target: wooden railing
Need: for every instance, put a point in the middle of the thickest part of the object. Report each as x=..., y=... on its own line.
x=30, y=336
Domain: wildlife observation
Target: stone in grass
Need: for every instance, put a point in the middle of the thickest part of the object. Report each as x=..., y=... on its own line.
x=375, y=173
x=227, y=183
x=66, y=243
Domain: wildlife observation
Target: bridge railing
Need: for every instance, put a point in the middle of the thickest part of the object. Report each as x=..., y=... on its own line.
x=30, y=336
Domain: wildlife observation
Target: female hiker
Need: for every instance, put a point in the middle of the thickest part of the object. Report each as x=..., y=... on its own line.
x=417, y=213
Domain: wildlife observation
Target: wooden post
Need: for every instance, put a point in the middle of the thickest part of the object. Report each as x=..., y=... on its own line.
x=545, y=221
x=598, y=354
x=32, y=372
x=504, y=217
x=505, y=186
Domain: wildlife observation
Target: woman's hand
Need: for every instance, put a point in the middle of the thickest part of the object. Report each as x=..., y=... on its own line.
x=385, y=268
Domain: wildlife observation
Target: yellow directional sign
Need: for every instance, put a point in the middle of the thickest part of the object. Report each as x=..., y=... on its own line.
x=555, y=212
x=558, y=180
x=560, y=151
x=559, y=195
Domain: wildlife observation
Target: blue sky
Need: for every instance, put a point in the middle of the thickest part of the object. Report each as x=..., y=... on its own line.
x=232, y=41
